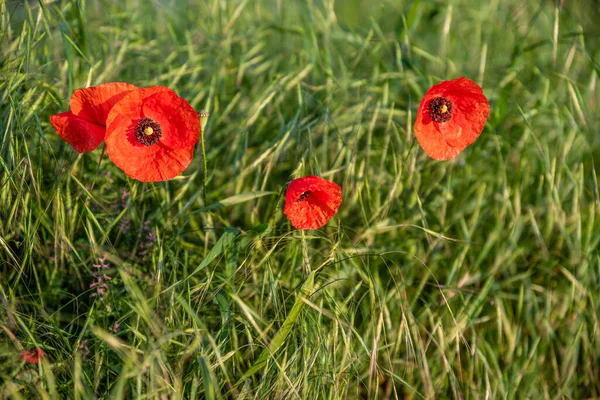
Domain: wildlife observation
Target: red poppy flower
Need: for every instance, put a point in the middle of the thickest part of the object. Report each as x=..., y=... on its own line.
x=451, y=116
x=310, y=202
x=84, y=126
x=30, y=357
x=151, y=134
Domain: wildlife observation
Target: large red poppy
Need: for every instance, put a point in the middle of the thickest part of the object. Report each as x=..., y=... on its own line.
x=310, y=202
x=151, y=134
x=451, y=116
x=84, y=126
x=32, y=357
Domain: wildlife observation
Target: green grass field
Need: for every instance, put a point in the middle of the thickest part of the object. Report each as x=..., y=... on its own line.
x=474, y=278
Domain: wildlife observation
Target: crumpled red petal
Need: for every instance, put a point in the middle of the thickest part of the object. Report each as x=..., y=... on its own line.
x=172, y=154
x=311, y=201
x=82, y=135
x=442, y=141
x=432, y=142
x=145, y=163
x=94, y=103
x=176, y=116
x=131, y=104
x=165, y=164
x=32, y=358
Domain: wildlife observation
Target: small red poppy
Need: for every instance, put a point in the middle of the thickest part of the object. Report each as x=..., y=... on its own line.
x=310, y=202
x=30, y=357
x=151, y=134
x=451, y=117
x=83, y=127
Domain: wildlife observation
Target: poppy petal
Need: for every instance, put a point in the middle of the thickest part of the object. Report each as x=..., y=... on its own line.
x=145, y=163
x=32, y=358
x=131, y=104
x=431, y=141
x=469, y=118
x=94, y=103
x=456, y=129
x=172, y=150
x=176, y=116
x=307, y=217
x=81, y=134
x=311, y=202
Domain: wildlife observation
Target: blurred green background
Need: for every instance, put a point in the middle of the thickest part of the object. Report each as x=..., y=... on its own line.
x=472, y=278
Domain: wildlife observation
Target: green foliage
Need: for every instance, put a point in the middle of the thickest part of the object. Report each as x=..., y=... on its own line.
x=472, y=278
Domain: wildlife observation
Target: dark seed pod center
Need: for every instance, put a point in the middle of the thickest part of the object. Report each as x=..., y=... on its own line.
x=303, y=196
x=147, y=131
x=440, y=109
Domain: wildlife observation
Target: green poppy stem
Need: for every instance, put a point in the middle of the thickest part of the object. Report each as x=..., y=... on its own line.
x=305, y=260
x=203, y=120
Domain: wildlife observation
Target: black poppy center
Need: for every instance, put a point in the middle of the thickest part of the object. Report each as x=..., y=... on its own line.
x=440, y=109
x=147, y=131
x=303, y=196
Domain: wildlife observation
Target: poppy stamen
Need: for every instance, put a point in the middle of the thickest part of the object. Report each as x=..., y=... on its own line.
x=303, y=196
x=147, y=131
x=440, y=109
